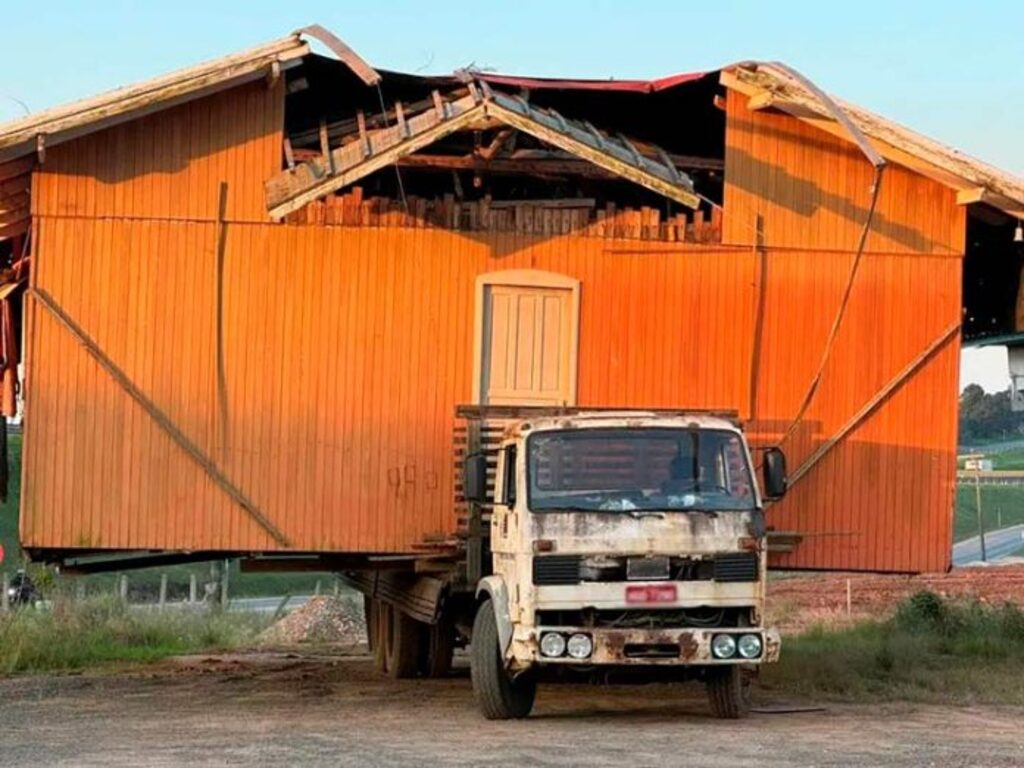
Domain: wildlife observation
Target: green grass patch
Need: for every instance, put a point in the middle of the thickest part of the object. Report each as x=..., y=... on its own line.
x=931, y=650
x=1002, y=506
x=76, y=634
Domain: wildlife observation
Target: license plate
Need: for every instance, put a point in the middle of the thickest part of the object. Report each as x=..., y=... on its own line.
x=651, y=593
x=647, y=568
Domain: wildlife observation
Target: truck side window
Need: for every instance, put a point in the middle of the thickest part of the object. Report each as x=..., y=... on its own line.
x=509, y=480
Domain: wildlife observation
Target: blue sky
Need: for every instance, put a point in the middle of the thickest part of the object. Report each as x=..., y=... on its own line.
x=952, y=70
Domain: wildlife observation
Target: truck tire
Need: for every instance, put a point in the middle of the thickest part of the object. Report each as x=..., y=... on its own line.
x=436, y=648
x=728, y=691
x=497, y=694
x=401, y=642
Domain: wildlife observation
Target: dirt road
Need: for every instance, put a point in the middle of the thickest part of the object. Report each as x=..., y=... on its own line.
x=280, y=709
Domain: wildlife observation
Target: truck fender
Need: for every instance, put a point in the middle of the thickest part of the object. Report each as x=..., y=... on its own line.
x=494, y=588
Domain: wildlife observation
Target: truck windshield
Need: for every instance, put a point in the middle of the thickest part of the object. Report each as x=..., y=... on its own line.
x=624, y=470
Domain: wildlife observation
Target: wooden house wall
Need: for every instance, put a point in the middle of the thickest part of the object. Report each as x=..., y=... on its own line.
x=344, y=350
x=883, y=498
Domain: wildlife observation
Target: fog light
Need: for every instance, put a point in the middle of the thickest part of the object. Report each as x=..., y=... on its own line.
x=580, y=646
x=749, y=646
x=552, y=644
x=723, y=646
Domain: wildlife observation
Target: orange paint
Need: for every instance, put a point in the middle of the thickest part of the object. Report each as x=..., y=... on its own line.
x=347, y=348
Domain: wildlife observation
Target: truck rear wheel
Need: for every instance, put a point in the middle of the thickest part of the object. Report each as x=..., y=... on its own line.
x=400, y=641
x=498, y=695
x=438, y=645
x=728, y=691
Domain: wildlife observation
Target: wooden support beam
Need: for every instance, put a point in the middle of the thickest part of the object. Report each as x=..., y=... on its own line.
x=604, y=159
x=762, y=100
x=438, y=104
x=875, y=402
x=364, y=138
x=972, y=195
x=403, y=126
x=325, y=147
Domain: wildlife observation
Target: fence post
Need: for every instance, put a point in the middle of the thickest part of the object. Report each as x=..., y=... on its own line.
x=192, y=588
x=5, y=603
x=224, y=584
x=123, y=587
x=316, y=589
x=80, y=589
x=163, y=590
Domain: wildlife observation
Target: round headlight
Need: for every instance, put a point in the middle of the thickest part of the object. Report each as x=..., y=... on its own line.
x=552, y=644
x=580, y=646
x=723, y=646
x=749, y=646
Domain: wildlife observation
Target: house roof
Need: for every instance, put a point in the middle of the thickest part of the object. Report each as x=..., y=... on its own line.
x=769, y=86
x=772, y=86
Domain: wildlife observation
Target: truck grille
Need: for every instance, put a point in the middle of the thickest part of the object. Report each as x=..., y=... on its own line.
x=741, y=566
x=556, y=569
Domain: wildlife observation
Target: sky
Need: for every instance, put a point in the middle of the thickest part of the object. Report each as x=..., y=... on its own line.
x=952, y=70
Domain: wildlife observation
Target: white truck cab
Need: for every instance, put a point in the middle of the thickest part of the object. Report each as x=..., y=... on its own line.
x=623, y=541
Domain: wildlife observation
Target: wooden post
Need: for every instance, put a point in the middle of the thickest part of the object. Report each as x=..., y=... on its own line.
x=316, y=589
x=224, y=584
x=163, y=590
x=5, y=602
x=80, y=589
x=849, y=600
x=192, y=588
x=122, y=587
x=981, y=519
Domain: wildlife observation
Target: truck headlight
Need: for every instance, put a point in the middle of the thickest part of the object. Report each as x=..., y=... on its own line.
x=749, y=646
x=552, y=644
x=580, y=646
x=723, y=646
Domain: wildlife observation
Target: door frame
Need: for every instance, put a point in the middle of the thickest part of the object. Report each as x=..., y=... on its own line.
x=526, y=278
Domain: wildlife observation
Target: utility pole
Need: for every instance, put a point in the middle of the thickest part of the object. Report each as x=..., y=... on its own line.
x=976, y=462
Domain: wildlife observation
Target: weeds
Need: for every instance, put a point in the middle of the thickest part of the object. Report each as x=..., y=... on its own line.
x=930, y=650
x=73, y=634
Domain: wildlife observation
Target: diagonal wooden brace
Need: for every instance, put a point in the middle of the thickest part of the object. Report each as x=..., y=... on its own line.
x=162, y=420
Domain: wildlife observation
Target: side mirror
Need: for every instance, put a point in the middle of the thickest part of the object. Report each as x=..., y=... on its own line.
x=774, y=471
x=474, y=478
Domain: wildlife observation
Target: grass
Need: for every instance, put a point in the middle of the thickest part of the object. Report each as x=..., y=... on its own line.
x=73, y=635
x=931, y=650
x=1001, y=504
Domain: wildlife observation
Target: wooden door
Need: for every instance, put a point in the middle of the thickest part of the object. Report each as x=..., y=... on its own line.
x=528, y=338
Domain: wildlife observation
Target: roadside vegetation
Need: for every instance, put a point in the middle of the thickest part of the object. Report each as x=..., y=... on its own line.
x=1001, y=505
x=930, y=650
x=71, y=634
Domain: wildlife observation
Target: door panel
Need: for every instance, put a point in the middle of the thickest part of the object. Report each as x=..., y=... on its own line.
x=527, y=338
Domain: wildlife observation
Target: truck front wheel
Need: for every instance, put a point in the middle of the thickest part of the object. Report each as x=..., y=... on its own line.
x=499, y=696
x=728, y=691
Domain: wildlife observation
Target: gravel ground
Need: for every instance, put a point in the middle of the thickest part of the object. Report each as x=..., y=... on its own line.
x=272, y=709
x=320, y=620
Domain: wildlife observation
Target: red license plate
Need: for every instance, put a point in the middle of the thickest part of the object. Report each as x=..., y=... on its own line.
x=651, y=593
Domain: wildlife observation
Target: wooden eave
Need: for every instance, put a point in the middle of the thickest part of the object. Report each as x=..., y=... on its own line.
x=974, y=181
x=294, y=188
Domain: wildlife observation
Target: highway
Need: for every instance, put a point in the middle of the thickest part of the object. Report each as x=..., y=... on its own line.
x=999, y=543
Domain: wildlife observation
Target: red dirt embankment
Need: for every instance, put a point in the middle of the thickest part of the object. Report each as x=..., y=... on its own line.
x=797, y=602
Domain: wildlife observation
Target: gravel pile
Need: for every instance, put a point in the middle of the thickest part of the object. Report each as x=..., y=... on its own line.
x=322, y=619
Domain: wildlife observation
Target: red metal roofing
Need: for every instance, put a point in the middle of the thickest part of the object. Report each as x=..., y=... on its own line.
x=634, y=86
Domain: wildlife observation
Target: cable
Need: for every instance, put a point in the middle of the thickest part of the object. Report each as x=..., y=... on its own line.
x=398, y=171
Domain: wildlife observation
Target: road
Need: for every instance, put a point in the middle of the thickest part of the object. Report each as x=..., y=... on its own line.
x=304, y=709
x=266, y=604
x=999, y=543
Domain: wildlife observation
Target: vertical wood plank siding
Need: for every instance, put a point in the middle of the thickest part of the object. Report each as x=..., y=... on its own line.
x=883, y=498
x=345, y=350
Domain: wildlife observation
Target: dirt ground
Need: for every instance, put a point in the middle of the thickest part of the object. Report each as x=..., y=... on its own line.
x=288, y=709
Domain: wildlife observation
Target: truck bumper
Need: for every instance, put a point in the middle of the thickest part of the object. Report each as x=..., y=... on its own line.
x=646, y=646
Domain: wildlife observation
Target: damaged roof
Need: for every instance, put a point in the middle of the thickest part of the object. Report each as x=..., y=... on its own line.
x=768, y=85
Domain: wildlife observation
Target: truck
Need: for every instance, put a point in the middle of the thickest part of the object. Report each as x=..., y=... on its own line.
x=601, y=544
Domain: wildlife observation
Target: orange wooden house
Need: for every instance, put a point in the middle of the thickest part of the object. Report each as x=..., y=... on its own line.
x=255, y=297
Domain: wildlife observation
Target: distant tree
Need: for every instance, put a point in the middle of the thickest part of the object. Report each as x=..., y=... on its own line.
x=985, y=416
